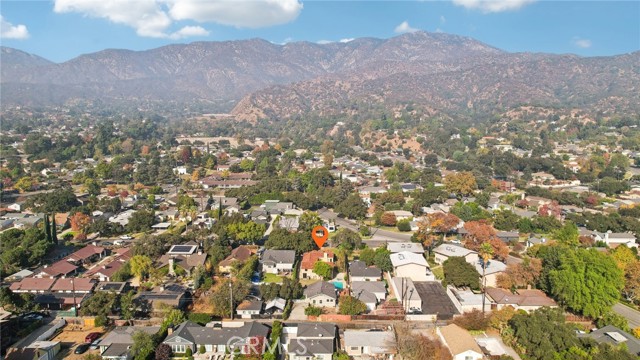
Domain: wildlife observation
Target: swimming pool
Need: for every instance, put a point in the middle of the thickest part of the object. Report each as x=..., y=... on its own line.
x=338, y=284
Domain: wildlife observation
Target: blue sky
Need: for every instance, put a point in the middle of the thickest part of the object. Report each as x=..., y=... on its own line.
x=60, y=30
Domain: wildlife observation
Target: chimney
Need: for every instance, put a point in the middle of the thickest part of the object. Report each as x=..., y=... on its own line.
x=170, y=330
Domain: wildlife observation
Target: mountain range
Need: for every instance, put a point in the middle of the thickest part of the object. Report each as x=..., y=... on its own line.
x=435, y=73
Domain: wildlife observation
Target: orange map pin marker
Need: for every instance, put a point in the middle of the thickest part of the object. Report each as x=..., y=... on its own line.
x=320, y=239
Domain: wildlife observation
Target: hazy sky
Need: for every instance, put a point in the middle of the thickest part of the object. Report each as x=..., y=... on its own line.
x=60, y=30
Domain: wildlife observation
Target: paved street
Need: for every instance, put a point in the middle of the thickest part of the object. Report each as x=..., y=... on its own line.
x=378, y=237
x=632, y=316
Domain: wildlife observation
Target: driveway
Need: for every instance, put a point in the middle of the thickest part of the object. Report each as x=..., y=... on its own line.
x=297, y=313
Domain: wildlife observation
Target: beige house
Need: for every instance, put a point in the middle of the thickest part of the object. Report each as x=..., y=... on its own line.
x=321, y=294
x=527, y=300
x=460, y=343
x=447, y=250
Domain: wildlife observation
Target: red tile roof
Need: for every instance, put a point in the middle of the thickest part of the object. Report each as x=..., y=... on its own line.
x=521, y=297
x=85, y=253
x=310, y=258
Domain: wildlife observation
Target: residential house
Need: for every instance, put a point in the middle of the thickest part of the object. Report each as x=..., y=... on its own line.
x=248, y=308
x=239, y=254
x=73, y=285
x=231, y=337
x=444, y=251
x=187, y=257
x=40, y=350
x=309, y=260
x=411, y=265
x=306, y=341
x=24, y=273
x=493, y=268
x=32, y=285
x=465, y=300
x=278, y=261
x=173, y=295
x=369, y=292
x=275, y=306
x=321, y=293
x=359, y=271
x=401, y=214
x=106, y=271
x=86, y=255
x=122, y=218
x=616, y=239
x=115, y=287
x=116, y=345
x=396, y=247
x=616, y=337
x=370, y=344
x=58, y=269
x=534, y=240
x=521, y=299
x=461, y=344
x=508, y=236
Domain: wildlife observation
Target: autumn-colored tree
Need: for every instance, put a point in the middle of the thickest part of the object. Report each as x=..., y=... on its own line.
x=631, y=289
x=388, y=219
x=195, y=176
x=145, y=150
x=522, y=274
x=185, y=155
x=79, y=222
x=462, y=183
x=480, y=232
x=500, y=318
x=124, y=194
x=552, y=209
x=623, y=257
x=443, y=223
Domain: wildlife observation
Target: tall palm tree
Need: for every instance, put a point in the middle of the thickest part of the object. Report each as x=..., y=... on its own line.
x=486, y=253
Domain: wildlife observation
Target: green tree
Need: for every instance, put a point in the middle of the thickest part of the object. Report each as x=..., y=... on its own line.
x=352, y=207
x=505, y=220
x=173, y=318
x=323, y=270
x=347, y=239
x=382, y=259
x=404, y=225
x=100, y=303
x=349, y=305
x=127, y=306
x=248, y=232
x=141, y=220
x=143, y=345
x=568, y=234
x=586, y=281
x=367, y=255
x=24, y=184
x=221, y=297
x=611, y=318
x=311, y=310
x=140, y=266
x=458, y=272
x=309, y=220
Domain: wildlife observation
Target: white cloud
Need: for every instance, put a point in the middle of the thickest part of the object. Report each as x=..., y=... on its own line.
x=189, y=31
x=239, y=13
x=154, y=18
x=493, y=6
x=404, y=27
x=346, y=40
x=442, y=19
x=10, y=31
x=582, y=43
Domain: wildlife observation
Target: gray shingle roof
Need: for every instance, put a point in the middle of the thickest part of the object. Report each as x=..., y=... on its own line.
x=320, y=287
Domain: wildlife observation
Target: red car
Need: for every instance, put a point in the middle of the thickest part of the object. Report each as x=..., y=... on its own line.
x=91, y=337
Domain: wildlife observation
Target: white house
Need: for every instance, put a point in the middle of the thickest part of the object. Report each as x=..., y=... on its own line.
x=278, y=261
x=370, y=344
x=321, y=294
x=305, y=341
x=447, y=250
x=411, y=265
x=616, y=239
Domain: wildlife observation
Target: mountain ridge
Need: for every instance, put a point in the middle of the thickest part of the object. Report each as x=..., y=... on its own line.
x=257, y=77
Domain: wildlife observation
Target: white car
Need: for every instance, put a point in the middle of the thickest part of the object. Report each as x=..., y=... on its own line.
x=94, y=345
x=126, y=237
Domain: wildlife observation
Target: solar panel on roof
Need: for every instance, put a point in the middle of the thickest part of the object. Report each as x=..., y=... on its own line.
x=616, y=336
x=183, y=249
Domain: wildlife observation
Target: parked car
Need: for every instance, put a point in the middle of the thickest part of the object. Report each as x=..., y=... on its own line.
x=94, y=345
x=91, y=337
x=81, y=348
x=126, y=237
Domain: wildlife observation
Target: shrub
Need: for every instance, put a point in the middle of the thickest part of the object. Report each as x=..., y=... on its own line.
x=404, y=225
x=199, y=318
x=202, y=349
x=189, y=352
x=313, y=311
x=474, y=320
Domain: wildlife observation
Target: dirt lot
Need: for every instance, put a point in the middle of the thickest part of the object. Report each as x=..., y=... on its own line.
x=71, y=336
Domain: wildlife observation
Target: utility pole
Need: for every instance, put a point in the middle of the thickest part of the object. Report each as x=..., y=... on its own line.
x=231, y=299
x=73, y=290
